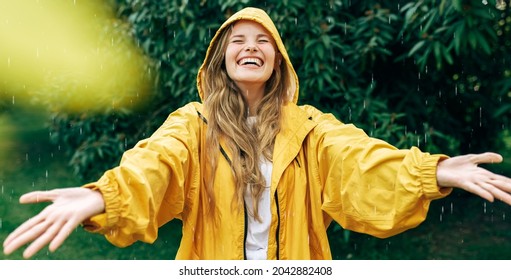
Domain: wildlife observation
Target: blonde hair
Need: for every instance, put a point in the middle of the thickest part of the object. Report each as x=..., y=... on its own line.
x=227, y=112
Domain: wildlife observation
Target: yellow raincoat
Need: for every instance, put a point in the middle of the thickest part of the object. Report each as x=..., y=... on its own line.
x=323, y=171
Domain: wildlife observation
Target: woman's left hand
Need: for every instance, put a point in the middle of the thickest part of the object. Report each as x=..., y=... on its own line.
x=463, y=172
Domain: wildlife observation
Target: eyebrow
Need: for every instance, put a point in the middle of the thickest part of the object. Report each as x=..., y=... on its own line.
x=243, y=36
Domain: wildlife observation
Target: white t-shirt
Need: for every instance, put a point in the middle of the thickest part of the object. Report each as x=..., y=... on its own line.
x=256, y=245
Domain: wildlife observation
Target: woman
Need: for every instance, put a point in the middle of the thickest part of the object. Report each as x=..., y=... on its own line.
x=251, y=174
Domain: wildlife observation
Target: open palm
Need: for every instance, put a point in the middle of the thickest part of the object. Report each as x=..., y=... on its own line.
x=70, y=206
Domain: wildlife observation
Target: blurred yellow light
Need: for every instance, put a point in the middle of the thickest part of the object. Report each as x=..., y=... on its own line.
x=69, y=54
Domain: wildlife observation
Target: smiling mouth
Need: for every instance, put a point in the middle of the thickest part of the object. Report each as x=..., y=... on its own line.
x=251, y=61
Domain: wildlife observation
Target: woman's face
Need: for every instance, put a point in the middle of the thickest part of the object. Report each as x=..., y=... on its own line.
x=250, y=54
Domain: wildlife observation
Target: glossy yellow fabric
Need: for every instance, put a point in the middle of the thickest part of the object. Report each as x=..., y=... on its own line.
x=323, y=171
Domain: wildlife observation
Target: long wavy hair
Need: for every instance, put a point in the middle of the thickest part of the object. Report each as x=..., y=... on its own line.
x=227, y=113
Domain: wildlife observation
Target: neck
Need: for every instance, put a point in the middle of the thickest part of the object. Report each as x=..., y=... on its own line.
x=253, y=95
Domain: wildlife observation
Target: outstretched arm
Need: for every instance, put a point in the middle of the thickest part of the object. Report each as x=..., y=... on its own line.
x=53, y=225
x=463, y=172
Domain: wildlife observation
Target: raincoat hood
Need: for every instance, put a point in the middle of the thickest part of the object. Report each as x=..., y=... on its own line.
x=261, y=17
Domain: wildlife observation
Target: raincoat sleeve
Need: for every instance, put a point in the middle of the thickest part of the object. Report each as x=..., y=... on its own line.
x=151, y=183
x=369, y=186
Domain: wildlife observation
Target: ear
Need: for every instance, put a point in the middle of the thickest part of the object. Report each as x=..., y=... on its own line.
x=278, y=59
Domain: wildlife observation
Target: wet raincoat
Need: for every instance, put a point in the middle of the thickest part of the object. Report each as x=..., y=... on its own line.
x=323, y=171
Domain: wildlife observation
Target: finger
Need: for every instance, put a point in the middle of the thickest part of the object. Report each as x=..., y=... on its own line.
x=504, y=185
x=25, y=237
x=499, y=181
x=38, y=196
x=42, y=240
x=29, y=224
x=62, y=235
x=477, y=190
x=487, y=157
x=496, y=192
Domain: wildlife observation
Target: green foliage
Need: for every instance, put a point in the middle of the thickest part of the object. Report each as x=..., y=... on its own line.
x=428, y=73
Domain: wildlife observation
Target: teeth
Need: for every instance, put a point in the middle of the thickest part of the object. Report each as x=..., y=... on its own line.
x=251, y=60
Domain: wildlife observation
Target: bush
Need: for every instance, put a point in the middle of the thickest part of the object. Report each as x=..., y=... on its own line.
x=428, y=73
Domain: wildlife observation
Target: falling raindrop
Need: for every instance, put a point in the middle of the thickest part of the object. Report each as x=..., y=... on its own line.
x=452, y=208
x=296, y=21
x=345, y=28
x=484, y=206
x=480, y=116
x=503, y=216
x=13, y=100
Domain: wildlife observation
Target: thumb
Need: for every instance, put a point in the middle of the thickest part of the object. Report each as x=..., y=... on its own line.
x=38, y=196
x=487, y=157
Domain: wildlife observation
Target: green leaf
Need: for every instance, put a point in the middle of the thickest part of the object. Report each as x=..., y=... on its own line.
x=432, y=17
x=458, y=36
x=482, y=42
x=504, y=109
x=472, y=40
x=416, y=47
x=447, y=55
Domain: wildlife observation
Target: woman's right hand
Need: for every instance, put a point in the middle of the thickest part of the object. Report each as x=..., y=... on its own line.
x=69, y=208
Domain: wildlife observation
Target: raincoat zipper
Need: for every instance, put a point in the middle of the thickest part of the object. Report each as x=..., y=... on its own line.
x=245, y=231
x=277, y=239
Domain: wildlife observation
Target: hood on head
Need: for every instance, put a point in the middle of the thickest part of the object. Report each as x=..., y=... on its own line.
x=261, y=17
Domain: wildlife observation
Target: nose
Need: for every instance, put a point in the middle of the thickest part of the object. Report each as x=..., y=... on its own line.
x=250, y=48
